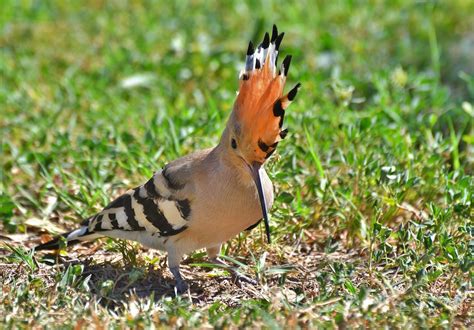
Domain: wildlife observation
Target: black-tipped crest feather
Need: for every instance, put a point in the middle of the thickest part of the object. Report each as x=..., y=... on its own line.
x=257, y=64
x=278, y=109
x=266, y=41
x=293, y=92
x=278, y=40
x=286, y=64
x=251, y=49
x=274, y=34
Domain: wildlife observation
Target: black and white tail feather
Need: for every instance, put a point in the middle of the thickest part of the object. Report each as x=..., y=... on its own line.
x=72, y=237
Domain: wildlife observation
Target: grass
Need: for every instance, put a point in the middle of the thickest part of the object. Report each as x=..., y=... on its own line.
x=372, y=224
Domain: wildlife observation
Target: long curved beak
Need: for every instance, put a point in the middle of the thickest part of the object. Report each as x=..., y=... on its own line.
x=255, y=168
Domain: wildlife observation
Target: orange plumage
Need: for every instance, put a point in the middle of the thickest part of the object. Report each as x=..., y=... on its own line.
x=260, y=107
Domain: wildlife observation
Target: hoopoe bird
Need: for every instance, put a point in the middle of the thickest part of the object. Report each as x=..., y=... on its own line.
x=205, y=198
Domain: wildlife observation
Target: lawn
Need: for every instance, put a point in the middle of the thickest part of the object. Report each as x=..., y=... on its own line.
x=372, y=223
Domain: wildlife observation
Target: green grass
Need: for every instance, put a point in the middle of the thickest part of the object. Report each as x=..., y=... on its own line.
x=372, y=223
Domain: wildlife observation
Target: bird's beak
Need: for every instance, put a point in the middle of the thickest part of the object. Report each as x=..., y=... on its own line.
x=255, y=168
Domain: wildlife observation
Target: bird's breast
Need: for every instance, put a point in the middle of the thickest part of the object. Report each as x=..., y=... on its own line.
x=225, y=207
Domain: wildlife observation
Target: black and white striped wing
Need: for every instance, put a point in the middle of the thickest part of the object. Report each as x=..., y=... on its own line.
x=152, y=207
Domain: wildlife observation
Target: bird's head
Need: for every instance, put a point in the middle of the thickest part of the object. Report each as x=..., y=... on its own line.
x=255, y=127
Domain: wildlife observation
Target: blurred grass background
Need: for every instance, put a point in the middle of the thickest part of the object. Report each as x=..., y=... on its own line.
x=96, y=95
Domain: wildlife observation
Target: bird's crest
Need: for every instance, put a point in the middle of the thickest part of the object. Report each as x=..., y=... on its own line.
x=260, y=105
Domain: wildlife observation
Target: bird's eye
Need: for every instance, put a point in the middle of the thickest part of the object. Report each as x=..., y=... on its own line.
x=233, y=143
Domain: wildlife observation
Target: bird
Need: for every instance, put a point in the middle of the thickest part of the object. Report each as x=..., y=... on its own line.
x=205, y=198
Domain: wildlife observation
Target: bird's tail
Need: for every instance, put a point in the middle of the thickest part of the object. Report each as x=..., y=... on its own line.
x=71, y=238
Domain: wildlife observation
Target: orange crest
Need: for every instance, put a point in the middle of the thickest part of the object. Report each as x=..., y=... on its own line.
x=260, y=105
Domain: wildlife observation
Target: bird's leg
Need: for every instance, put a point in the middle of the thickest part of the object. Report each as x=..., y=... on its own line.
x=236, y=276
x=181, y=285
x=212, y=252
x=173, y=264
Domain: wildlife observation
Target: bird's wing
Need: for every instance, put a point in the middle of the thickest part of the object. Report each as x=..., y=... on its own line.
x=161, y=206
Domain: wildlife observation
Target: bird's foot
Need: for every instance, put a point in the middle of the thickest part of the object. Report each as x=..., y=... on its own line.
x=181, y=285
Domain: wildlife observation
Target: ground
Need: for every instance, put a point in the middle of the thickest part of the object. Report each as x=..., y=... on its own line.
x=372, y=224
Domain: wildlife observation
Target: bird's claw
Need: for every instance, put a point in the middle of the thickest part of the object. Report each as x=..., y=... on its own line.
x=181, y=286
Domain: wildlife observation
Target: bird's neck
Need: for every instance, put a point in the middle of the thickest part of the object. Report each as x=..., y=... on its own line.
x=231, y=164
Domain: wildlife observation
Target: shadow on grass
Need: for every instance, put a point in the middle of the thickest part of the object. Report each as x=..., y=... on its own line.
x=112, y=282
x=117, y=283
